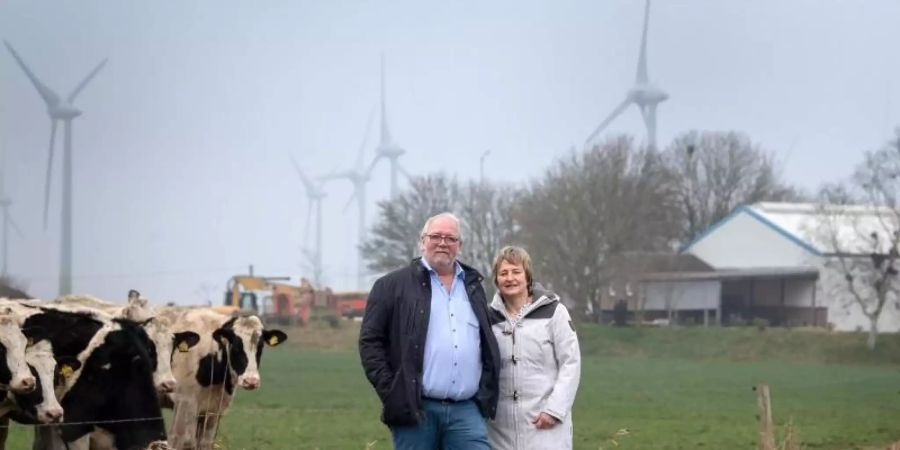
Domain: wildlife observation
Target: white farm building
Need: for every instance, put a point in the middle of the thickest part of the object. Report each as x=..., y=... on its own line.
x=779, y=261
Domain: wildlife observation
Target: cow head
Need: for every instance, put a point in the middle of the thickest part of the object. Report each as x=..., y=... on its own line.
x=138, y=309
x=242, y=340
x=159, y=330
x=14, y=372
x=41, y=404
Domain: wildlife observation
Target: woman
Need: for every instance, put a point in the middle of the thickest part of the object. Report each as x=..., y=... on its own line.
x=541, y=362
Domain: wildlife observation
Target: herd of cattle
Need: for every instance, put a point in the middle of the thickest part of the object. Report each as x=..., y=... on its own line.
x=96, y=375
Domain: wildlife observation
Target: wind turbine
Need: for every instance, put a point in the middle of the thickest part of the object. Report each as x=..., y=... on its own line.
x=387, y=148
x=315, y=194
x=8, y=222
x=358, y=177
x=644, y=94
x=60, y=109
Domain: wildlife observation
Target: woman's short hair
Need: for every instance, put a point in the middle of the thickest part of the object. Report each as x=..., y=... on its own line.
x=514, y=255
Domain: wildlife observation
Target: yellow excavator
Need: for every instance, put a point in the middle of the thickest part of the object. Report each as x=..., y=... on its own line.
x=267, y=297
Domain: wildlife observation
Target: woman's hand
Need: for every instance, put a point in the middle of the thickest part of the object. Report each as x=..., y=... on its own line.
x=545, y=421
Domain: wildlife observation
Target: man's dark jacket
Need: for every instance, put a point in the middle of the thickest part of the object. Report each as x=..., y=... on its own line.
x=392, y=342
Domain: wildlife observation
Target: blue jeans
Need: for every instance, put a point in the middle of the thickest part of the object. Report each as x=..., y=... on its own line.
x=447, y=426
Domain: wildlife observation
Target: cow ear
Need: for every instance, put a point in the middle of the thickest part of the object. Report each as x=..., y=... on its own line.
x=185, y=340
x=274, y=337
x=230, y=323
x=67, y=365
x=224, y=335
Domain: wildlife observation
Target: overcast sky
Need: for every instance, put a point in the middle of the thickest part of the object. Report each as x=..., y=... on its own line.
x=182, y=176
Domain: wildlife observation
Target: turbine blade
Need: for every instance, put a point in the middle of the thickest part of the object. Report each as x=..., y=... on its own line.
x=350, y=201
x=385, y=130
x=404, y=172
x=15, y=227
x=615, y=113
x=310, y=187
x=50, y=97
x=643, y=109
x=53, y=123
x=362, y=146
x=372, y=165
x=85, y=82
x=641, y=76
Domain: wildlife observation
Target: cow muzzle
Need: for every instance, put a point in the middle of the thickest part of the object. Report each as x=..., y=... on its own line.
x=24, y=385
x=250, y=383
x=167, y=386
x=51, y=415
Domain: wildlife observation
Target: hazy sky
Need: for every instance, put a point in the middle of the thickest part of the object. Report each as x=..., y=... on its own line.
x=182, y=176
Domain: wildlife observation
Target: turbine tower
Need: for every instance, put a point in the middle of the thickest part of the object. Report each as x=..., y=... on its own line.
x=8, y=222
x=315, y=194
x=358, y=177
x=644, y=94
x=60, y=109
x=387, y=148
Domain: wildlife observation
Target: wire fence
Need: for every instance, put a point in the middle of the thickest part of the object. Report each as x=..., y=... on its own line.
x=70, y=424
x=209, y=419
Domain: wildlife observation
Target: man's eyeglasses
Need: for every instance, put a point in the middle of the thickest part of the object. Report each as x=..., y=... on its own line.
x=437, y=239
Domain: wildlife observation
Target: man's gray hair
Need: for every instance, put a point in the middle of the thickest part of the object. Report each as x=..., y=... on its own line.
x=443, y=215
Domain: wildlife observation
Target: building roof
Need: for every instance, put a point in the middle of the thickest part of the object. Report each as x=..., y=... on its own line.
x=819, y=229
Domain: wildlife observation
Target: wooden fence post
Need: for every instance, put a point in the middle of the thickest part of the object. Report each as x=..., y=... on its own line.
x=766, y=432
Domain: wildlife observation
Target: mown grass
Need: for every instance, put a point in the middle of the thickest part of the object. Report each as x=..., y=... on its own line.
x=670, y=388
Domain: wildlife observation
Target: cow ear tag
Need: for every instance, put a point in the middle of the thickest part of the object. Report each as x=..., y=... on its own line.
x=66, y=370
x=224, y=341
x=273, y=341
x=183, y=347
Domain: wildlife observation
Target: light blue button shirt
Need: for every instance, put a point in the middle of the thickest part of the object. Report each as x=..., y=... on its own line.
x=452, y=366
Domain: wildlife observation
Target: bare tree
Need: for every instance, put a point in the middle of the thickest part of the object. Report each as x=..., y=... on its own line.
x=592, y=206
x=393, y=238
x=12, y=288
x=860, y=224
x=485, y=210
x=717, y=171
x=487, y=213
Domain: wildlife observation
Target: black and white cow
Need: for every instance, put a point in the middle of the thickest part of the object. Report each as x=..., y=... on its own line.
x=113, y=390
x=41, y=404
x=37, y=403
x=228, y=355
x=14, y=373
x=158, y=328
x=114, y=385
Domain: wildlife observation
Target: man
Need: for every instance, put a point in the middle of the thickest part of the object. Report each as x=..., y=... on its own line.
x=427, y=347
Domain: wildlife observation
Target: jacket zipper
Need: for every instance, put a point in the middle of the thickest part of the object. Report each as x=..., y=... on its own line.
x=515, y=405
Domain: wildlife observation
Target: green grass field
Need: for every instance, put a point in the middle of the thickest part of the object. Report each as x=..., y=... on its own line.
x=672, y=389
